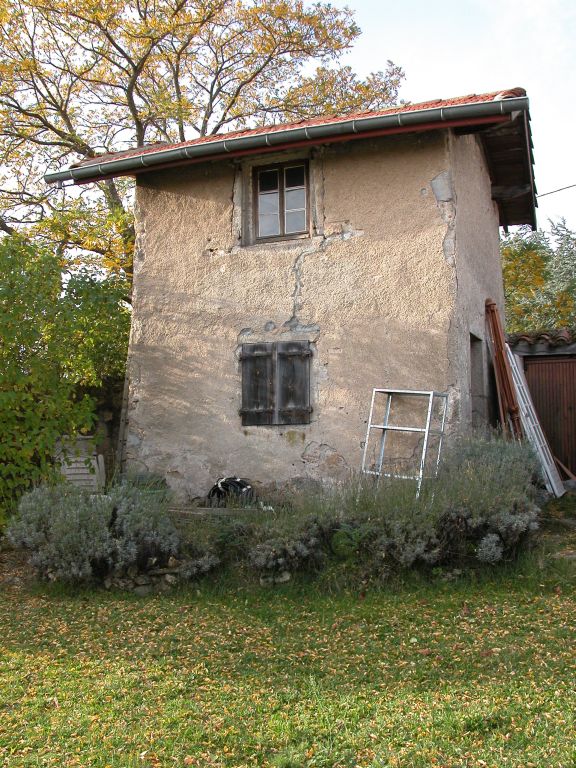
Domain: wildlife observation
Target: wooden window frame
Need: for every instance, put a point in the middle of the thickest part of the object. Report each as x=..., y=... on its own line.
x=281, y=167
x=269, y=361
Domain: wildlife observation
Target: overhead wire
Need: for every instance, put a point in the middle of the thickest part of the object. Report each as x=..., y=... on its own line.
x=556, y=190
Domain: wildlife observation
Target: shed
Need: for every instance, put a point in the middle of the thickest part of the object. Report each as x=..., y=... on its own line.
x=549, y=359
x=283, y=272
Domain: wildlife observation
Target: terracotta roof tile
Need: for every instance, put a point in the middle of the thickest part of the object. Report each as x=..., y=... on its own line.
x=323, y=120
x=556, y=337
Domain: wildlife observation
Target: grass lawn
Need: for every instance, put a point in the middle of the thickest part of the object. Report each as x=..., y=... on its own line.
x=445, y=674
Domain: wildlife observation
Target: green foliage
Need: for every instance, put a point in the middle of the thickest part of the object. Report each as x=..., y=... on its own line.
x=55, y=337
x=94, y=322
x=37, y=398
x=77, y=536
x=232, y=539
x=540, y=279
x=347, y=541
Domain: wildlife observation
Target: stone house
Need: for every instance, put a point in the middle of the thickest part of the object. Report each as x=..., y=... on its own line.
x=281, y=273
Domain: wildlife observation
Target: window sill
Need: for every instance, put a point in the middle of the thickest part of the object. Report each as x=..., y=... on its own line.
x=288, y=243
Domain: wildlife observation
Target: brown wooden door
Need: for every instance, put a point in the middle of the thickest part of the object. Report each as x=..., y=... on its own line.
x=552, y=382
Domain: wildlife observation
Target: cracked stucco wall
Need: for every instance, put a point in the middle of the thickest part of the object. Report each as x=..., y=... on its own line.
x=373, y=290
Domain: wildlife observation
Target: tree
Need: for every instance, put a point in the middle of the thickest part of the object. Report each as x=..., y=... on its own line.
x=540, y=279
x=56, y=337
x=96, y=76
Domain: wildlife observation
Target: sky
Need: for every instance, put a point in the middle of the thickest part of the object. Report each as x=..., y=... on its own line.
x=456, y=47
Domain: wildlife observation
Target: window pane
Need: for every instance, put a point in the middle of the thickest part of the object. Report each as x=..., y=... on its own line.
x=294, y=176
x=268, y=203
x=295, y=221
x=295, y=198
x=268, y=225
x=268, y=181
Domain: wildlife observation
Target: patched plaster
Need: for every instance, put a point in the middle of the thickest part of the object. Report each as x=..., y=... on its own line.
x=443, y=190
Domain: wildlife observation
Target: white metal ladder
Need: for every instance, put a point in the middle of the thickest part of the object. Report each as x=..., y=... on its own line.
x=532, y=428
x=428, y=429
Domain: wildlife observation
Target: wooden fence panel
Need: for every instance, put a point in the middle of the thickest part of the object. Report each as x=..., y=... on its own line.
x=552, y=382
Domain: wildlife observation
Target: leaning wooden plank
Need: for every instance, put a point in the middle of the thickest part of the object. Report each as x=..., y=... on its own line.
x=570, y=475
x=507, y=398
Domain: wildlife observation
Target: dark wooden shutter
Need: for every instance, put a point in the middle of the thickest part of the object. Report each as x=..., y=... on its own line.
x=257, y=384
x=293, y=382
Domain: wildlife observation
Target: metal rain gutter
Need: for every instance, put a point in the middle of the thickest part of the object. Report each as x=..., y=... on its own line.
x=135, y=163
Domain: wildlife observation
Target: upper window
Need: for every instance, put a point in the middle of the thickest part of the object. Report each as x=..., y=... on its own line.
x=281, y=201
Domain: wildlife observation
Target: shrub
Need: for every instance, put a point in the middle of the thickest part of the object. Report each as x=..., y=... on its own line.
x=347, y=541
x=233, y=539
x=141, y=527
x=67, y=531
x=280, y=555
x=480, y=506
x=77, y=536
x=485, y=488
x=490, y=549
x=199, y=566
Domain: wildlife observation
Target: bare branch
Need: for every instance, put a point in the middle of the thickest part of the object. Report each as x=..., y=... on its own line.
x=5, y=227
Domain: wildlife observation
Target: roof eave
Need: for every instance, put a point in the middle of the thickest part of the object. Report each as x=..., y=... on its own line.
x=436, y=117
